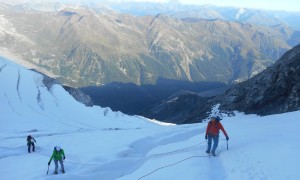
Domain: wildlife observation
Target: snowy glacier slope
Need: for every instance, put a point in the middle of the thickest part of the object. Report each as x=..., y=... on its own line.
x=101, y=144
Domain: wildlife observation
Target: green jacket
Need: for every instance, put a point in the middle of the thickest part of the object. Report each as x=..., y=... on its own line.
x=57, y=155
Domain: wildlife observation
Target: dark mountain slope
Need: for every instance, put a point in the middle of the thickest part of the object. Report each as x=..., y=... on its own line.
x=179, y=109
x=132, y=99
x=275, y=90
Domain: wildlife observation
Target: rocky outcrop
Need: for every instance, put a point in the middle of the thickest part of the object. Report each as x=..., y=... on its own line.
x=275, y=90
x=79, y=96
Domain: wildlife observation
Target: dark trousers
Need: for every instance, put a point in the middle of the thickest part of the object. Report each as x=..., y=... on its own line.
x=29, y=146
x=215, y=139
x=61, y=165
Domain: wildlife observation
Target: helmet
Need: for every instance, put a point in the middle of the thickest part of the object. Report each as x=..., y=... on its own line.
x=57, y=148
x=217, y=118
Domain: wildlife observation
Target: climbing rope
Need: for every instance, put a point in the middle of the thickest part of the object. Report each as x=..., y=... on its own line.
x=149, y=156
x=178, y=161
x=175, y=151
x=170, y=165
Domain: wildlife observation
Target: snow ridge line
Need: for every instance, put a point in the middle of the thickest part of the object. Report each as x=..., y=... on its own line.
x=38, y=98
x=9, y=104
x=171, y=165
x=18, y=85
x=2, y=67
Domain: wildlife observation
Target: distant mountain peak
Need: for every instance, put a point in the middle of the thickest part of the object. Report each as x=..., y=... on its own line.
x=240, y=12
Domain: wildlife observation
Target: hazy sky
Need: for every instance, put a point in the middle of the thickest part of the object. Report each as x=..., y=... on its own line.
x=289, y=5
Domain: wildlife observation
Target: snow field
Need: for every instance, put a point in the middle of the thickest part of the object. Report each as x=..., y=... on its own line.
x=107, y=145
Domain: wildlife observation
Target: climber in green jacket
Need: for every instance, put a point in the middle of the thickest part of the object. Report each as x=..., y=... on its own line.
x=58, y=156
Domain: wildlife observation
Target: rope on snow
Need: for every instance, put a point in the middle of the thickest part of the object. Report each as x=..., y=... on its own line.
x=149, y=156
x=170, y=165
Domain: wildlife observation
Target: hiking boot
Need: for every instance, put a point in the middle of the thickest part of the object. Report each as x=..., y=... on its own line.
x=207, y=151
x=213, y=153
x=55, y=172
x=63, y=171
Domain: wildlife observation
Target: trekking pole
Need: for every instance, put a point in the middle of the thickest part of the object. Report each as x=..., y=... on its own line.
x=48, y=169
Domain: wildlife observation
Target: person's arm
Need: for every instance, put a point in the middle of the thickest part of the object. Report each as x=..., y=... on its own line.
x=207, y=128
x=51, y=158
x=223, y=130
x=63, y=153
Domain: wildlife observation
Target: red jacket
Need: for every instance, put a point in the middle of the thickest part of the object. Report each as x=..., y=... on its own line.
x=214, y=127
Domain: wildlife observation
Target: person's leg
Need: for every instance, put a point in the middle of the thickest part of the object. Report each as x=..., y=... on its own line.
x=62, y=166
x=216, y=142
x=28, y=148
x=209, y=144
x=56, y=166
x=33, y=148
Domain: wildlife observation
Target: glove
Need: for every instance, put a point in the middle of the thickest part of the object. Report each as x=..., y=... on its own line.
x=227, y=138
x=206, y=136
x=48, y=163
x=64, y=157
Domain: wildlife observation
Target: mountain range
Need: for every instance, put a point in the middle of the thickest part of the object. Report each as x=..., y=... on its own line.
x=245, y=15
x=87, y=47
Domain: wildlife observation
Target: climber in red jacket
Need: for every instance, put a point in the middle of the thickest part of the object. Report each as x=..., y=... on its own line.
x=212, y=133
